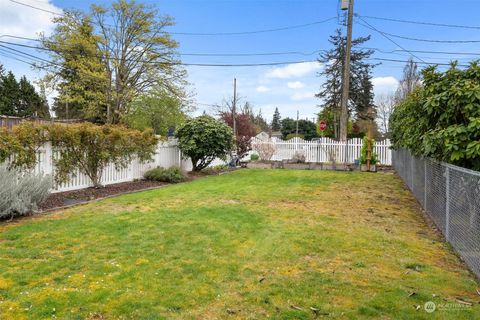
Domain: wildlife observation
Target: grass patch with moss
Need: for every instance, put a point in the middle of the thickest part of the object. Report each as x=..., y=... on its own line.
x=252, y=244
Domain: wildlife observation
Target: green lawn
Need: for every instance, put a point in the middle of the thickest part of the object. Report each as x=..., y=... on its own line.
x=252, y=244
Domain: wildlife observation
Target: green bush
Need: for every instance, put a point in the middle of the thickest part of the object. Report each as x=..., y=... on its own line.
x=203, y=139
x=364, y=151
x=172, y=174
x=21, y=193
x=254, y=157
x=441, y=120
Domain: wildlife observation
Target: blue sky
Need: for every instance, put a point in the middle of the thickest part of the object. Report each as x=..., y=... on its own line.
x=288, y=87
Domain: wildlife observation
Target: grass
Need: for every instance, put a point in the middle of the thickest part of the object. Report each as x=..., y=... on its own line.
x=252, y=244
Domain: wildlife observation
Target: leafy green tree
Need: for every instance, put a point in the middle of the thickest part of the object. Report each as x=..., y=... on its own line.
x=442, y=119
x=108, y=57
x=276, y=121
x=158, y=110
x=78, y=72
x=203, y=139
x=306, y=128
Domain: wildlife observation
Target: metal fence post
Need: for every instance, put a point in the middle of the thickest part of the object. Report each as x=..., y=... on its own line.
x=447, y=204
x=425, y=184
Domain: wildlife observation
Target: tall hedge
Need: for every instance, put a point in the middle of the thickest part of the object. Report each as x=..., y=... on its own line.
x=442, y=119
x=85, y=147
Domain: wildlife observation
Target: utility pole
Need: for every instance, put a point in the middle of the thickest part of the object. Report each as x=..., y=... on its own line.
x=234, y=110
x=346, y=76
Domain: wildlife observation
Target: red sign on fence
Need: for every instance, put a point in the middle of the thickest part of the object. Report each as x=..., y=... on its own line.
x=322, y=125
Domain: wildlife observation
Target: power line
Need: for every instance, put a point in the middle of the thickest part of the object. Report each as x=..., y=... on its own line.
x=430, y=40
x=298, y=26
x=253, y=31
x=369, y=26
x=421, y=22
x=36, y=8
x=201, y=54
x=418, y=62
x=214, y=65
x=207, y=54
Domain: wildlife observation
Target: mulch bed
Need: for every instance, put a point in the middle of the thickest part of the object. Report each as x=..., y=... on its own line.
x=60, y=199
x=68, y=198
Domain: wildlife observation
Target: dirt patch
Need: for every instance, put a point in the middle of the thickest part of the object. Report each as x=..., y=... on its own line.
x=67, y=198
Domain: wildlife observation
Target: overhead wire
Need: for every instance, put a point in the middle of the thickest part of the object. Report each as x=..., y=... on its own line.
x=421, y=22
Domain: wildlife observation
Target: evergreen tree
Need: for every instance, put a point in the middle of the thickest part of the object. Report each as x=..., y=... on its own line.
x=364, y=96
x=29, y=102
x=10, y=94
x=360, y=79
x=306, y=128
x=44, y=111
x=276, y=124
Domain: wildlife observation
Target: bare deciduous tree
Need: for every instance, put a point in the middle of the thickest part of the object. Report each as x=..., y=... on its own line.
x=411, y=79
x=385, y=105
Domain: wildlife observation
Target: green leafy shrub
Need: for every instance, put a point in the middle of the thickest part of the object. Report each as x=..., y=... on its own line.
x=21, y=193
x=85, y=147
x=364, y=152
x=217, y=169
x=254, y=157
x=90, y=148
x=203, y=139
x=172, y=174
x=442, y=119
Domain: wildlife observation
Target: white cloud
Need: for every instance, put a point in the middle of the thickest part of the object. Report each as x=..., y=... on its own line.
x=19, y=20
x=262, y=89
x=302, y=96
x=385, y=84
x=294, y=70
x=295, y=85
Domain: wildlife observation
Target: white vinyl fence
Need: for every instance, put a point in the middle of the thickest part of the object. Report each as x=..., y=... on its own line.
x=167, y=155
x=328, y=150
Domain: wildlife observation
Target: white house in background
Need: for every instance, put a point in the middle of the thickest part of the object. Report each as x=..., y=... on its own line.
x=262, y=136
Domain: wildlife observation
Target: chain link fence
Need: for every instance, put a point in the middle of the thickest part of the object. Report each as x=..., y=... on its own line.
x=450, y=195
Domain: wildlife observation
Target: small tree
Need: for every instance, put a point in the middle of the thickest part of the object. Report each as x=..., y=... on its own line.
x=245, y=131
x=276, y=124
x=203, y=139
x=265, y=149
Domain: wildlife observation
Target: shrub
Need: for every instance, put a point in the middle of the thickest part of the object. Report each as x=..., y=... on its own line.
x=265, y=149
x=90, y=148
x=85, y=147
x=217, y=169
x=442, y=119
x=364, y=152
x=203, y=139
x=299, y=157
x=172, y=174
x=254, y=157
x=21, y=193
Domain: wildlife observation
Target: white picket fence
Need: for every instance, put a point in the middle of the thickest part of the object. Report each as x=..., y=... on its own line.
x=166, y=155
x=328, y=150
